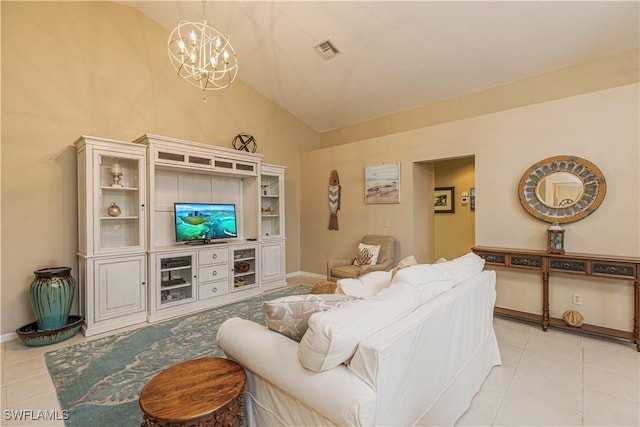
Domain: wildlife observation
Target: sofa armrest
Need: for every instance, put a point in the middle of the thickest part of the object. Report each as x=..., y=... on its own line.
x=336, y=394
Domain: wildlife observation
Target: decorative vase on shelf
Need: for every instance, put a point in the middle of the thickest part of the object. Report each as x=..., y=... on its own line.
x=52, y=292
x=114, y=210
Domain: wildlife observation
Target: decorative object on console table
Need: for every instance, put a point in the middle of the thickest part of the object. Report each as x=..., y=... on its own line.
x=555, y=239
x=444, y=200
x=596, y=266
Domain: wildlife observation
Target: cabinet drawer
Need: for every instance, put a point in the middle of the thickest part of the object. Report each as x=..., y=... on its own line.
x=211, y=256
x=568, y=265
x=214, y=272
x=214, y=289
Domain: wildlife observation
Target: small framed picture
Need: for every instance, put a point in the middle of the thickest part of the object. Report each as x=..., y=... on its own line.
x=444, y=201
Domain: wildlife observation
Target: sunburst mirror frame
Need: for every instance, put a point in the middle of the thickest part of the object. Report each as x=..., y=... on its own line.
x=593, y=185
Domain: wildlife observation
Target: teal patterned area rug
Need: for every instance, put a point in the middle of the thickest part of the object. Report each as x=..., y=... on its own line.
x=98, y=382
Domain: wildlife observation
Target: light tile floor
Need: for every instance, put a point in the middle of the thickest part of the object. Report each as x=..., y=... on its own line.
x=552, y=378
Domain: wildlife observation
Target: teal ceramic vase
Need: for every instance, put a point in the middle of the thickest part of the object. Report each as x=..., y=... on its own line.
x=52, y=292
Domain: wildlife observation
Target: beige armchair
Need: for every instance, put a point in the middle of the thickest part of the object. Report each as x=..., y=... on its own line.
x=344, y=268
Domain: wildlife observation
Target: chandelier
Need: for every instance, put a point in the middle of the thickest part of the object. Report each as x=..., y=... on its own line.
x=201, y=55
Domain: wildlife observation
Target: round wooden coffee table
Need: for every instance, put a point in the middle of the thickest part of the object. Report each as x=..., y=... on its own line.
x=202, y=392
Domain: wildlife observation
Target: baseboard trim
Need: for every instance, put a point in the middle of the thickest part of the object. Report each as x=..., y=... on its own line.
x=8, y=337
x=305, y=273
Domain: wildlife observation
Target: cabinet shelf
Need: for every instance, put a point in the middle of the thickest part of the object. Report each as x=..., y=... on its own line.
x=110, y=188
x=178, y=286
x=247, y=273
x=117, y=218
x=271, y=216
x=182, y=267
x=272, y=196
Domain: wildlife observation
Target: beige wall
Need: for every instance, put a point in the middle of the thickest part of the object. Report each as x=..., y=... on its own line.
x=454, y=233
x=601, y=126
x=608, y=72
x=98, y=68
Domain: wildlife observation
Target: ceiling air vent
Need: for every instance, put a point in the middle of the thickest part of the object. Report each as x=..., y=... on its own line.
x=326, y=50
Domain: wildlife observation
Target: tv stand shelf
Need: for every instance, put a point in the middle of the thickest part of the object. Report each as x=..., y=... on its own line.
x=605, y=266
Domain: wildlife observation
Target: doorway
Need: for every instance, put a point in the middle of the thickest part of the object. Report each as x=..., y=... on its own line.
x=443, y=235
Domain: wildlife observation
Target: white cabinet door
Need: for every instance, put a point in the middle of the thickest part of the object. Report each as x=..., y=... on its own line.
x=120, y=286
x=273, y=262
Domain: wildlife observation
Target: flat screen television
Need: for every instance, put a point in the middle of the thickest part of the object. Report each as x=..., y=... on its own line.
x=204, y=222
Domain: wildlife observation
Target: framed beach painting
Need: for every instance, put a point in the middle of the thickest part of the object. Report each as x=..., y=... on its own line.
x=444, y=200
x=382, y=183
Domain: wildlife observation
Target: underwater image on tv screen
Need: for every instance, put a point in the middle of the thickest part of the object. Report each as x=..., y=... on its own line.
x=205, y=221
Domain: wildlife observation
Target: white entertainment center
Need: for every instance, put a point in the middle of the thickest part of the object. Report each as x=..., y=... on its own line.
x=131, y=269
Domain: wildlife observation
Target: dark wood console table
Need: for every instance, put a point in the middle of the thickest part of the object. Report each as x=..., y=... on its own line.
x=625, y=268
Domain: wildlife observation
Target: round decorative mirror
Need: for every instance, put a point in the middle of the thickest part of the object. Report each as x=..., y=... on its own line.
x=562, y=189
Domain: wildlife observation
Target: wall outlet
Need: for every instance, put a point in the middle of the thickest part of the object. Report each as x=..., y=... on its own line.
x=577, y=299
x=386, y=223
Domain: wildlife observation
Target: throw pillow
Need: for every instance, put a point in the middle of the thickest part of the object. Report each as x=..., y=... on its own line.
x=367, y=254
x=290, y=315
x=366, y=285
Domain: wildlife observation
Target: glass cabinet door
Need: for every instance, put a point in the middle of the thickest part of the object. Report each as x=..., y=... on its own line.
x=272, y=202
x=119, y=202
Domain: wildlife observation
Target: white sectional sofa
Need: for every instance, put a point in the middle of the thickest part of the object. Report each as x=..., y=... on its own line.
x=415, y=353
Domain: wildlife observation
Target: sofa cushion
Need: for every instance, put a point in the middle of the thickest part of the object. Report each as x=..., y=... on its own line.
x=465, y=266
x=290, y=315
x=333, y=336
x=430, y=279
x=346, y=271
x=366, y=285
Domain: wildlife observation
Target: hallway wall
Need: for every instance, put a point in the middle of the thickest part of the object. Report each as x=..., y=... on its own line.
x=454, y=233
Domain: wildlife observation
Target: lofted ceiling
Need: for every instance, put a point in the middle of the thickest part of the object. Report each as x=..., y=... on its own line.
x=397, y=55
